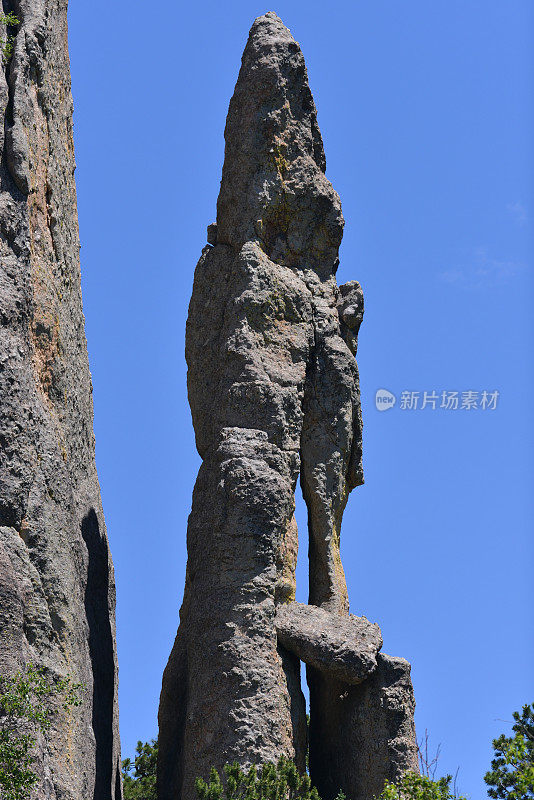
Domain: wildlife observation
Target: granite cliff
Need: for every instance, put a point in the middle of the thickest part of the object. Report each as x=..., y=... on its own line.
x=57, y=592
x=274, y=392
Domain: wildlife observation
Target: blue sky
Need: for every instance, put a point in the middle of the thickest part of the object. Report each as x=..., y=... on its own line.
x=427, y=116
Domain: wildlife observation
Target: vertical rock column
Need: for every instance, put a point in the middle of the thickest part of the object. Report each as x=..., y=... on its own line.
x=361, y=735
x=57, y=592
x=273, y=389
x=229, y=691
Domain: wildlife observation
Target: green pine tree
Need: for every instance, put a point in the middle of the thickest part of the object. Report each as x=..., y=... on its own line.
x=280, y=781
x=419, y=787
x=139, y=778
x=512, y=769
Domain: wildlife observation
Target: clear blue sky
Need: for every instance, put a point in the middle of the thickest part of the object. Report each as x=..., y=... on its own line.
x=427, y=117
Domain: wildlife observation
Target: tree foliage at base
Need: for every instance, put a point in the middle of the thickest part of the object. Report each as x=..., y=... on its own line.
x=419, y=787
x=511, y=776
x=512, y=770
x=280, y=781
x=139, y=778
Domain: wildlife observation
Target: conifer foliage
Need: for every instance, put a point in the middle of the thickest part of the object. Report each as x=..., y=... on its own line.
x=512, y=769
x=139, y=777
x=280, y=781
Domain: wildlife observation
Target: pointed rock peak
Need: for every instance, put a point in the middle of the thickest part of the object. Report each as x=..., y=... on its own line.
x=269, y=31
x=273, y=187
x=270, y=16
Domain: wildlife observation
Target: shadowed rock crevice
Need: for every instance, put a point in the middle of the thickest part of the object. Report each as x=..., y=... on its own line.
x=292, y=666
x=173, y=706
x=274, y=393
x=100, y=651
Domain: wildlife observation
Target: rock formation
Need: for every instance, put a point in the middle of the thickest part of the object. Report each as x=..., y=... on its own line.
x=274, y=394
x=57, y=594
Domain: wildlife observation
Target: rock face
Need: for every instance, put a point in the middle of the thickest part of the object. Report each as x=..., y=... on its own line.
x=57, y=593
x=274, y=394
x=362, y=735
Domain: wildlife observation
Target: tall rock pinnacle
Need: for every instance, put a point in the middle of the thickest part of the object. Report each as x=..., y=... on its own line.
x=57, y=593
x=274, y=394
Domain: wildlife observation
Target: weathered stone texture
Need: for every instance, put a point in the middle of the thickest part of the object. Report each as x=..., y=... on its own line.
x=57, y=593
x=362, y=735
x=343, y=647
x=274, y=394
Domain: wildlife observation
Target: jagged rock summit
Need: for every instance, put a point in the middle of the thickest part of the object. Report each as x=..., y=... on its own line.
x=274, y=393
x=57, y=591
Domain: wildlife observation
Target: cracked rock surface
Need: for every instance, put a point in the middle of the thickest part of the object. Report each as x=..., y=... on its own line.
x=57, y=591
x=274, y=393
